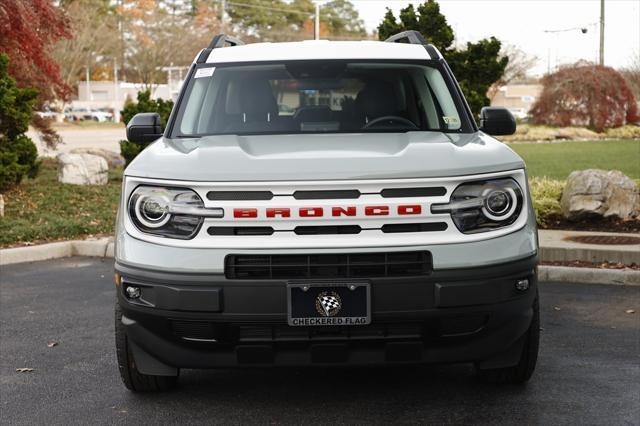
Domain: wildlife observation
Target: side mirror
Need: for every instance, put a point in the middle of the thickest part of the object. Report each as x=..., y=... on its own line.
x=144, y=127
x=497, y=121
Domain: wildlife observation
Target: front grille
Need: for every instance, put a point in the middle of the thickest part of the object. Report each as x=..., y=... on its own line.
x=240, y=230
x=239, y=195
x=327, y=230
x=342, y=194
x=414, y=227
x=430, y=191
x=312, y=266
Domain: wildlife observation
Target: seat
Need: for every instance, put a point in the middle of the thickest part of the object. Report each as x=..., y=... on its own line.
x=251, y=106
x=376, y=99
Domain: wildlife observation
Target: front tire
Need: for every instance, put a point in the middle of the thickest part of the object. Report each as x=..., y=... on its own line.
x=131, y=377
x=522, y=371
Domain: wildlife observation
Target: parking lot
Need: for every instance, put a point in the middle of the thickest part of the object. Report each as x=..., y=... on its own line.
x=588, y=370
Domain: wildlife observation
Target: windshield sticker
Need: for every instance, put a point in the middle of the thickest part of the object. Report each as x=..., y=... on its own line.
x=451, y=122
x=204, y=72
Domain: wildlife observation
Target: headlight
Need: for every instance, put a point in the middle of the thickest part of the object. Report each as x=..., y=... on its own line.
x=484, y=205
x=168, y=212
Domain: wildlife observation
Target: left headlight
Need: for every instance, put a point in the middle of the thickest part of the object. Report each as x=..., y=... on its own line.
x=168, y=212
x=484, y=205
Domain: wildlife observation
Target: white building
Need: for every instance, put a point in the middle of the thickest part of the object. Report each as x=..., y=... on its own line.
x=112, y=95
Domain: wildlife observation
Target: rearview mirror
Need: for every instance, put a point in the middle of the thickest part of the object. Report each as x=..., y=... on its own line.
x=497, y=121
x=144, y=127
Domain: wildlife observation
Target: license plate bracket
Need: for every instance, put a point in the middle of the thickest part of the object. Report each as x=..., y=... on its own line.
x=332, y=303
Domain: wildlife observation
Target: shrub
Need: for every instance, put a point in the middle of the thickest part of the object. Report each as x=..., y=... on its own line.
x=629, y=131
x=144, y=103
x=18, y=154
x=546, y=194
x=585, y=95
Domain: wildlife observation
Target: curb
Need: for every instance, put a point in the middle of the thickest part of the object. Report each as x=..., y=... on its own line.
x=566, y=274
x=100, y=247
x=104, y=247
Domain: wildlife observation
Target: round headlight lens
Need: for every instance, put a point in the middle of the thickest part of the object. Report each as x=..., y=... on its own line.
x=152, y=210
x=497, y=202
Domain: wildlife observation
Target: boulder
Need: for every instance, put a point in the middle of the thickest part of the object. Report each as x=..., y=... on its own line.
x=82, y=169
x=112, y=157
x=600, y=193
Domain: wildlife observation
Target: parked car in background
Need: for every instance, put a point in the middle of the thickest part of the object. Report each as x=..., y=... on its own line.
x=84, y=113
x=47, y=114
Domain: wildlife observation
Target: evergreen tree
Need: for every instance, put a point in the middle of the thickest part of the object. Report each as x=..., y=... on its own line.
x=18, y=154
x=476, y=68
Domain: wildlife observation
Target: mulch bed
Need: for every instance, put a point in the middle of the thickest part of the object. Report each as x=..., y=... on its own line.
x=583, y=264
x=593, y=224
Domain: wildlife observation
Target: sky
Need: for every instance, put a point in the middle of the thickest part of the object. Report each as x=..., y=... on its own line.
x=523, y=23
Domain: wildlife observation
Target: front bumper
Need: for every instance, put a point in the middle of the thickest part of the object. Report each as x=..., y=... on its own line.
x=207, y=321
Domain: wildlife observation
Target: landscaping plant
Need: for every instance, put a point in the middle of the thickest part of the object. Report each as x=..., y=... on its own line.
x=585, y=95
x=144, y=104
x=18, y=154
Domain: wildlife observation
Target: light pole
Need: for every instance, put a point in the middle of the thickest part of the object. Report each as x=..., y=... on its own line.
x=316, y=25
x=601, y=32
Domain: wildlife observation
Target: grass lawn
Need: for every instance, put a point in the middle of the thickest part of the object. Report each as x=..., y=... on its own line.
x=556, y=160
x=42, y=209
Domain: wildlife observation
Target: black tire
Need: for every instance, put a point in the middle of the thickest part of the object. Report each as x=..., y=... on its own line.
x=131, y=377
x=521, y=372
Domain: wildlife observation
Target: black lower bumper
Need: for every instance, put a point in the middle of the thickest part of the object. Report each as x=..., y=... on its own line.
x=198, y=321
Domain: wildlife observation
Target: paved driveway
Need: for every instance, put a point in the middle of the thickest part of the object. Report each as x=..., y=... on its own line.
x=589, y=367
x=82, y=137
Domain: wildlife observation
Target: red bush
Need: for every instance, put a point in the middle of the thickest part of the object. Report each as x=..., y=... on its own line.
x=585, y=95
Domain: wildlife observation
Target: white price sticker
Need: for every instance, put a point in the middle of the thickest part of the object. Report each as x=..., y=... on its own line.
x=204, y=72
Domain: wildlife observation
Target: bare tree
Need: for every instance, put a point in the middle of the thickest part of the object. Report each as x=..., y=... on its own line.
x=92, y=27
x=632, y=74
x=161, y=34
x=520, y=63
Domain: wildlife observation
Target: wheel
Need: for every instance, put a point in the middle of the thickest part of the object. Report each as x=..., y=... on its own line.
x=522, y=371
x=131, y=377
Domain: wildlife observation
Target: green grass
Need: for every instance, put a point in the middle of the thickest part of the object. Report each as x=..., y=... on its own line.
x=42, y=209
x=556, y=160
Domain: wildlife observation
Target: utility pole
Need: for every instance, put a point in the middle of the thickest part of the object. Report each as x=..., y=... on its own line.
x=317, y=22
x=223, y=18
x=601, y=32
x=116, y=95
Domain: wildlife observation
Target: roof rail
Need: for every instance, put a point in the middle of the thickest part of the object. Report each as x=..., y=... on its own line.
x=217, y=42
x=221, y=39
x=413, y=36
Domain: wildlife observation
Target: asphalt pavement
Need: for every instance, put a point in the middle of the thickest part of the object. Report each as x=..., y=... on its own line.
x=588, y=370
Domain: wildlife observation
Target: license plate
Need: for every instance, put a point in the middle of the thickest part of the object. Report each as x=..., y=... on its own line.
x=340, y=303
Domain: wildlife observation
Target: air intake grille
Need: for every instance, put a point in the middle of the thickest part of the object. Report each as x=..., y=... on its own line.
x=347, y=265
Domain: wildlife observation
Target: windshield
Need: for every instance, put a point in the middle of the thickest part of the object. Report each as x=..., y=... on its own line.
x=316, y=97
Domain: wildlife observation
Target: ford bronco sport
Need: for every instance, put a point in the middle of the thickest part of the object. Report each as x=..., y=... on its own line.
x=324, y=203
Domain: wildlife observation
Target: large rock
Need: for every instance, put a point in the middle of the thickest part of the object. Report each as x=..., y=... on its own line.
x=599, y=193
x=112, y=157
x=82, y=169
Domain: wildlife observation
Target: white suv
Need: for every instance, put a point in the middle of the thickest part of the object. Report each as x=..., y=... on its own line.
x=322, y=203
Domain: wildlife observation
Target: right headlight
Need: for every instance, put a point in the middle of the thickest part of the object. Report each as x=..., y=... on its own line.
x=483, y=205
x=169, y=212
